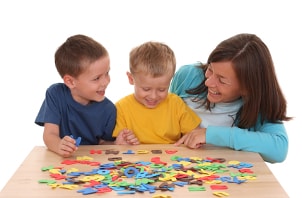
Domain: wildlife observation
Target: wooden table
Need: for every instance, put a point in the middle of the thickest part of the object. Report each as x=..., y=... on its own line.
x=24, y=183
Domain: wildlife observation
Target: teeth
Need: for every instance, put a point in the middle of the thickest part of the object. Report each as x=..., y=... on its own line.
x=214, y=92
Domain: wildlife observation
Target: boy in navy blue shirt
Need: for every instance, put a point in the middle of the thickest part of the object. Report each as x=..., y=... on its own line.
x=78, y=107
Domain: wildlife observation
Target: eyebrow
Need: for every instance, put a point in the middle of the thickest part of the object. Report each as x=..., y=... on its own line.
x=220, y=76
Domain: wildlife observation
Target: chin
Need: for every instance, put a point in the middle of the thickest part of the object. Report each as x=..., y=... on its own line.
x=150, y=106
x=214, y=100
x=100, y=99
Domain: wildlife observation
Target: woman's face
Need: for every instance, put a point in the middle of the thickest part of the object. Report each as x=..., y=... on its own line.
x=222, y=83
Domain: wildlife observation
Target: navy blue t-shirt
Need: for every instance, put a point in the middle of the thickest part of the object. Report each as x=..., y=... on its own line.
x=91, y=122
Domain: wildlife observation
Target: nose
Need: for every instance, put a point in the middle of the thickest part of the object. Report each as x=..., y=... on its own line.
x=105, y=81
x=211, y=81
x=153, y=94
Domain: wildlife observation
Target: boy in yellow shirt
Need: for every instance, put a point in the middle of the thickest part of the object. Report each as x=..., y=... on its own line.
x=151, y=113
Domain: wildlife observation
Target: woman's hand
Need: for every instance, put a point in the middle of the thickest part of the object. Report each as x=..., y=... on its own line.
x=193, y=139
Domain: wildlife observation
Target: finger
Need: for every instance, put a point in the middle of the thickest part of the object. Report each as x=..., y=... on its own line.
x=65, y=151
x=189, y=142
x=70, y=146
x=69, y=139
x=180, y=141
x=67, y=145
x=126, y=131
x=198, y=145
x=122, y=133
x=132, y=139
x=135, y=141
x=194, y=144
x=66, y=154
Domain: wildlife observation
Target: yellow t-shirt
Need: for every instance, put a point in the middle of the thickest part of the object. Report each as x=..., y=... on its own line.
x=162, y=125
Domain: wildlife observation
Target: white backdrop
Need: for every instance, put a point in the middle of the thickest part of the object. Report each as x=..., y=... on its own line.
x=31, y=31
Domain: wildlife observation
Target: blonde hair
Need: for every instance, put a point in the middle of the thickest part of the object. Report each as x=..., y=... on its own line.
x=152, y=58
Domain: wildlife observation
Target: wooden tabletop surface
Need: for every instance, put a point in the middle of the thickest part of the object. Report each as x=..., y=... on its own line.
x=259, y=183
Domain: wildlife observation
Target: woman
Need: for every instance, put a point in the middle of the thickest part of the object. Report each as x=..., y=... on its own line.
x=238, y=97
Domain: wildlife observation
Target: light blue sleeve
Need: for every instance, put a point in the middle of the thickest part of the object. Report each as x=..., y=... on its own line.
x=186, y=77
x=270, y=140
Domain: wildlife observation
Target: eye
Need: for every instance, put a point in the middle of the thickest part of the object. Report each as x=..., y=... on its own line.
x=96, y=79
x=162, y=90
x=224, y=81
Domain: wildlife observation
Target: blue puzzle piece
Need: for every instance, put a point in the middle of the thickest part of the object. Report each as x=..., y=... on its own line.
x=87, y=191
x=78, y=140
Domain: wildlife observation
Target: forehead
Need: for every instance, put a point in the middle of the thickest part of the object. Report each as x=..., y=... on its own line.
x=224, y=69
x=98, y=67
x=149, y=80
x=101, y=63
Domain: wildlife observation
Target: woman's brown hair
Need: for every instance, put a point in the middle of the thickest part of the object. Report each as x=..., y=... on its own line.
x=254, y=67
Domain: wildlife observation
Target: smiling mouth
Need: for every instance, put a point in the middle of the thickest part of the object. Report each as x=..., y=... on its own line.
x=214, y=92
x=101, y=92
x=151, y=103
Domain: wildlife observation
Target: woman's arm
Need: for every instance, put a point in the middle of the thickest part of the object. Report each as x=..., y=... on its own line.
x=270, y=140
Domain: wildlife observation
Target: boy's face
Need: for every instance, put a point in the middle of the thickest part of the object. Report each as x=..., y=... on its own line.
x=92, y=83
x=150, y=91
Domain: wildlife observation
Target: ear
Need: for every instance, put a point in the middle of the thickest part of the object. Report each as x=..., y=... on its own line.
x=130, y=78
x=69, y=81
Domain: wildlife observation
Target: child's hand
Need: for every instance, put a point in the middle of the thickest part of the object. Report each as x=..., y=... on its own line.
x=126, y=137
x=67, y=146
x=130, y=137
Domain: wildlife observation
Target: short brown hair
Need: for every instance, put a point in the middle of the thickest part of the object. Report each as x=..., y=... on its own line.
x=77, y=52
